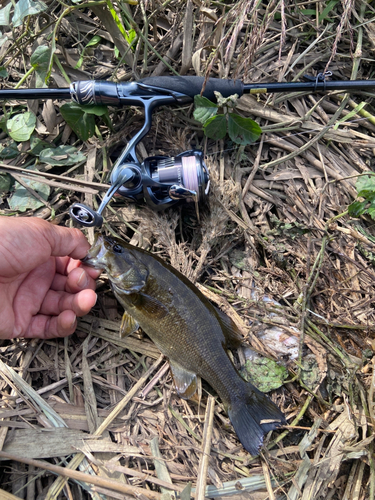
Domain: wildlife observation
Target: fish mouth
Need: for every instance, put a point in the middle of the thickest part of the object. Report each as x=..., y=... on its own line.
x=95, y=253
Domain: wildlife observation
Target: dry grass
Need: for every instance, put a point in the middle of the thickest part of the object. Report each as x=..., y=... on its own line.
x=275, y=228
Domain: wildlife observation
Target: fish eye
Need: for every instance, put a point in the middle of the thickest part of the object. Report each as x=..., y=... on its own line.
x=117, y=248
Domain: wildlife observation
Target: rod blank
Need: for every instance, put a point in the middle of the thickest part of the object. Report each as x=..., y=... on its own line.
x=106, y=92
x=269, y=88
x=24, y=94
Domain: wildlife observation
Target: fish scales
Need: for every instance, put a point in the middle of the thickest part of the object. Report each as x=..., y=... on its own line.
x=187, y=329
x=181, y=332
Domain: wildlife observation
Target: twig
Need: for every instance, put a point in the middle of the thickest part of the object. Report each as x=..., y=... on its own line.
x=160, y=467
x=267, y=478
x=255, y=168
x=5, y=495
x=371, y=394
x=61, y=185
x=206, y=447
x=58, y=485
x=299, y=417
x=308, y=144
x=154, y=380
x=81, y=476
x=34, y=174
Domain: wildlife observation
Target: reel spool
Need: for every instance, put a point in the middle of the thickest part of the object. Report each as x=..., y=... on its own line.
x=160, y=182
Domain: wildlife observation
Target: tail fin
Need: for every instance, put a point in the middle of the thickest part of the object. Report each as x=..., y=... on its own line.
x=246, y=415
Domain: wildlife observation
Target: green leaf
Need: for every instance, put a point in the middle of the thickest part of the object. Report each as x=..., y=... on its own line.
x=37, y=145
x=40, y=60
x=130, y=36
x=20, y=127
x=186, y=492
x=62, y=155
x=116, y=18
x=371, y=212
x=6, y=182
x=8, y=151
x=3, y=39
x=4, y=14
x=365, y=183
x=243, y=130
x=357, y=208
x=26, y=8
x=368, y=195
x=366, y=189
x=308, y=12
x=81, y=119
x=83, y=123
x=330, y=5
x=22, y=200
x=93, y=109
x=94, y=41
x=216, y=127
x=3, y=72
x=204, y=109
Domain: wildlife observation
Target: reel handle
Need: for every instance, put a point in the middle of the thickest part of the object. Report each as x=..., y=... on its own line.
x=85, y=216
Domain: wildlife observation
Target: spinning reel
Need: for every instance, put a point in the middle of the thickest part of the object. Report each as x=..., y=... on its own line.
x=160, y=181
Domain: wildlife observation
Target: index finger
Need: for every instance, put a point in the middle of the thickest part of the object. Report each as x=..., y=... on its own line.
x=28, y=242
x=66, y=241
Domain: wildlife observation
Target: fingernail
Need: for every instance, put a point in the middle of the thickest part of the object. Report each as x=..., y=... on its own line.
x=73, y=323
x=83, y=280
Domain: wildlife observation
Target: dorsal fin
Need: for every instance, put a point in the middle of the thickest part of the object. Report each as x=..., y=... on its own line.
x=232, y=334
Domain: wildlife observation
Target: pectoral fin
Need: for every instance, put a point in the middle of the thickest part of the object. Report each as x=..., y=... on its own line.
x=186, y=382
x=136, y=273
x=152, y=307
x=128, y=325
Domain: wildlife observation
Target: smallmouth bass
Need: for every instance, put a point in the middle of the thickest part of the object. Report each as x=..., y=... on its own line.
x=188, y=329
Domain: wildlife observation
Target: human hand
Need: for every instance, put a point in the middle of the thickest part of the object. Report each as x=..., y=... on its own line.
x=43, y=287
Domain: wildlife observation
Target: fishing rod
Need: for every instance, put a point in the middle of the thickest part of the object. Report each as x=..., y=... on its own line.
x=163, y=181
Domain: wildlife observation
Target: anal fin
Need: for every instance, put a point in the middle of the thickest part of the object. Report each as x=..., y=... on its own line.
x=186, y=382
x=128, y=325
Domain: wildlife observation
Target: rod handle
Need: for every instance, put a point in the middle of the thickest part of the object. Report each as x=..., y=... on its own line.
x=192, y=85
